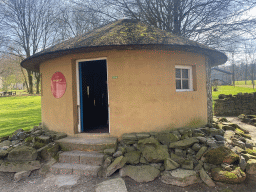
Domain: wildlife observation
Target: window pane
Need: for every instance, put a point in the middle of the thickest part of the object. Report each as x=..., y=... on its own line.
x=178, y=84
x=184, y=73
x=185, y=84
x=178, y=75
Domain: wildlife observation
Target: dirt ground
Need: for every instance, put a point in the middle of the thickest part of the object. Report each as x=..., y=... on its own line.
x=50, y=182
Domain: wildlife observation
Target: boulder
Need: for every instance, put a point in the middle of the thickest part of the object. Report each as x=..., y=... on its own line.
x=148, y=142
x=201, y=152
x=233, y=177
x=112, y=185
x=242, y=163
x=18, y=166
x=3, y=154
x=206, y=179
x=109, y=151
x=155, y=154
x=43, y=139
x=46, y=166
x=21, y=175
x=180, y=177
x=49, y=151
x=221, y=155
x=22, y=153
x=5, y=143
x=187, y=164
x=133, y=157
x=237, y=142
x=144, y=173
x=118, y=163
x=129, y=136
x=177, y=158
x=196, y=147
x=15, y=134
x=169, y=164
x=248, y=156
x=251, y=166
x=60, y=136
x=142, y=135
x=166, y=138
x=183, y=144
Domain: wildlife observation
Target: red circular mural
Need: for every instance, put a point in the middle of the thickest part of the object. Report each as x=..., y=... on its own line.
x=58, y=84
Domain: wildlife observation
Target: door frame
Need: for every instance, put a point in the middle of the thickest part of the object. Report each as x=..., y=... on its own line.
x=78, y=90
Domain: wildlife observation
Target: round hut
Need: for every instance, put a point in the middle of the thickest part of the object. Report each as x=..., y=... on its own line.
x=124, y=77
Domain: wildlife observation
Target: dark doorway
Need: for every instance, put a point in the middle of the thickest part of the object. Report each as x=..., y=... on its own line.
x=93, y=96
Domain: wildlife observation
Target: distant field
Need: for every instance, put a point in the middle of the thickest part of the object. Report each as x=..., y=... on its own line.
x=248, y=82
x=19, y=112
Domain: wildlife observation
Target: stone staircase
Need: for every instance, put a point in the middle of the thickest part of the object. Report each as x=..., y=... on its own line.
x=83, y=156
x=78, y=163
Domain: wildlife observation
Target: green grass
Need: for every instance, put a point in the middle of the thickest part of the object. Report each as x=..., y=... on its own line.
x=19, y=112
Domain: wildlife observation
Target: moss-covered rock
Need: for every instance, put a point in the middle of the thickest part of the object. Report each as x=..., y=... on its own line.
x=235, y=176
x=166, y=138
x=22, y=153
x=169, y=164
x=29, y=140
x=148, y=142
x=38, y=145
x=251, y=166
x=133, y=157
x=155, y=154
x=183, y=144
x=251, y=152
x=221, y=155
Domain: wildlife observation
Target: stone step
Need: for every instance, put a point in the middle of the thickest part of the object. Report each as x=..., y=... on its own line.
x=87, y=143
x=75, y=169
x=81, y=157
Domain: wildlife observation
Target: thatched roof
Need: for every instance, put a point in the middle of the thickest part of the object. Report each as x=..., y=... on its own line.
x=123, y=34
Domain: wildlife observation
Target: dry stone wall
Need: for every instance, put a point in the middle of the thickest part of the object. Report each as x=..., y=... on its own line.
x=234, y=105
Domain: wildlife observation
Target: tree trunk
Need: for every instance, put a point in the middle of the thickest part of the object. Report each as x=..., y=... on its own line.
x=25, y=79
x=30, y=81
x=253, y=71
x=37, y=76
x=176, y=6
x=209, y=91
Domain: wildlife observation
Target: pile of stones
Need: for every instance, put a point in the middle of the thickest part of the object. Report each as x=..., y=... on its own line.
x=234, y=105
x=250, y=119
x=25, y=151
x=222, y=152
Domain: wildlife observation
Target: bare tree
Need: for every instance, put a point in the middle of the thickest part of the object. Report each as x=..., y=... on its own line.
x=212, y=22
x=29, y=24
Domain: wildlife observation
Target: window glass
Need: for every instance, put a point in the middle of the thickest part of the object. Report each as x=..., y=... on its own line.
x=178, y=73
x=178, y=84
x=185, y=73
x=185, y=84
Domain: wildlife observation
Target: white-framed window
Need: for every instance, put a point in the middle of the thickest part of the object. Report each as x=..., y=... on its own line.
x=183, y=78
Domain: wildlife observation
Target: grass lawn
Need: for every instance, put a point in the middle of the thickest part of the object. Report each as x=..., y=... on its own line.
x=19, y=112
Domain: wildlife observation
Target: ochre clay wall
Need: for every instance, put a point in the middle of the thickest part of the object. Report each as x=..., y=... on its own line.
x=142, y=98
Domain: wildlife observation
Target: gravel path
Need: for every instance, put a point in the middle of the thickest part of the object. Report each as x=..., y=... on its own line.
x=52, y=183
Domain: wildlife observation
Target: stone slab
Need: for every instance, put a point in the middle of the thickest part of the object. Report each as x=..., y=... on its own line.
x=18, y=166
x=81, y=157
x=75, y=169
x=87, y=144
x=112, y=185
